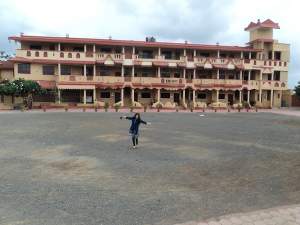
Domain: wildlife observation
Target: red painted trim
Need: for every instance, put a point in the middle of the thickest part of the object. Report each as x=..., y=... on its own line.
x=25, y=38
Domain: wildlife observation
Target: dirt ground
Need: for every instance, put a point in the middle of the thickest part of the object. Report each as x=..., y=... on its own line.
x=76, y=168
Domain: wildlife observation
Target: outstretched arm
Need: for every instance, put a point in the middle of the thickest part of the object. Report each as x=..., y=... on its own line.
x=126, y=117
x=146, y=123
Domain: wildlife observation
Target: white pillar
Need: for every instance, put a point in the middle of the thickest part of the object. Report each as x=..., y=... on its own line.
x=218, y=74
x=242, y=55
x=260, y=88
x=132, y=73
x=249, y=75
x=132, y=95
x=158, y=72
x=194, y=97
x=184, y=73
x=122, y=97
x=158, y=95
x=241, y=74
x=94, y=48
x=272, y=77
x=122, y=71
x=195, y=53
x=218, y=54
x=59, y=96
x=260, y=95
x=217, y=97
x=84, y=96
x=84, y=48
x=59, y=69
x=250, y=55
x=58, y=47
x=184, y=52
x=95, y=71
x=272, y=98
x=95, y=95
x=194, y=74
x=84, y=70
x=240, y=97
x=159, y=52
x=133, y=52
x=183, y=96
x=248, y=97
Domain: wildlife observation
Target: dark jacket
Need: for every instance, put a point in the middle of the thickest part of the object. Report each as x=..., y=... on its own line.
x=135, y=124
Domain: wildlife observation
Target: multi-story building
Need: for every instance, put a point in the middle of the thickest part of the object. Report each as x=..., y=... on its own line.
x=86, y=70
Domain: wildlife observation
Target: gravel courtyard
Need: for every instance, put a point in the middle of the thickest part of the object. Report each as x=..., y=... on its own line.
x=75, y=168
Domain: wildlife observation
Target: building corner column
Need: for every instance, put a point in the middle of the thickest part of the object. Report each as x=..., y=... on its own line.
x=240, y=97
x=95, y=95
x=132, y=95
x=84, y=96
x=59, y=96
x=272, y=98
x=122, y=97
x=248, y=97
x=158, y=95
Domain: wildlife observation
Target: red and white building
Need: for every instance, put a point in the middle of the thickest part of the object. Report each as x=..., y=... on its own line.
x=88, y=71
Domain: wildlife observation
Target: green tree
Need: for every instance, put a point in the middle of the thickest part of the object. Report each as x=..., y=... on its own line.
x=21, y=88
x=297, y=89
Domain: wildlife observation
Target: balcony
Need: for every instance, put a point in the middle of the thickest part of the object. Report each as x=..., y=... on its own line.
x=90, y=79
x=55, y=55
x=275, y=85
x=217, y=83
x=112, y=59
x=277, y=65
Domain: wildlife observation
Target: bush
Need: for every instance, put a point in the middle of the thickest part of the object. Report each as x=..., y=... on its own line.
x=117, y=107
x=106, y=106
x=159, y=107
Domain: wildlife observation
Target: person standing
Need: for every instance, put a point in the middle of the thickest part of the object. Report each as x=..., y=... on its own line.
x=134, y=128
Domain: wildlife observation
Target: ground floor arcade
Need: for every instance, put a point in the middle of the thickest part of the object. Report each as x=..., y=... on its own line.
x=127, y=96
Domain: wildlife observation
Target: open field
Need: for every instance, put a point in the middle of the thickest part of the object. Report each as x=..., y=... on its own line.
x=75, y=168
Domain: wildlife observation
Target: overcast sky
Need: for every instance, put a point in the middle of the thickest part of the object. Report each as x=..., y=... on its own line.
x=197, y=21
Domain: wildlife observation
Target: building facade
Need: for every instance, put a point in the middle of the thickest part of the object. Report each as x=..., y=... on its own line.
x=88, y=71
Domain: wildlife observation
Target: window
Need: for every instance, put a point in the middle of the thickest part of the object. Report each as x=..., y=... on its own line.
x=177, y=75
x=278, y=56
x=222, y=76
x=221, y=96
x=146, y=54
x=165, y=95
x=65, y=70
x=270, y=54
x=146, y=95
x=35, y=47
x=269, y=76
x=24, y=68
x=201, y=96
x=167, y=54
x=105, y=94
x=48, y=70
x=106, y=50
x=78, y=49
x=203, y=54
x=277, y=75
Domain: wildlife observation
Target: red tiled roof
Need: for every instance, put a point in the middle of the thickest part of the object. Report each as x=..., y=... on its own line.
x=266, y=40
x=6, y=65
x=110, y=42
x=266, y=24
